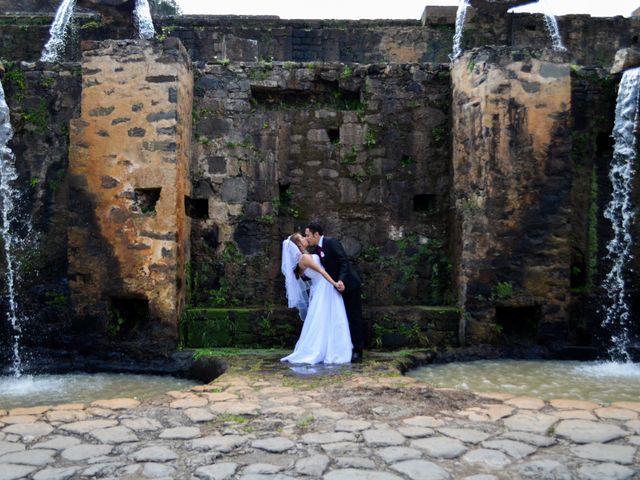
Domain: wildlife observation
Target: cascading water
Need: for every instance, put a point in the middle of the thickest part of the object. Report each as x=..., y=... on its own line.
x=620, y=213
x=58, y=32
x=11, y=240
x=144, y=22
x=554, y=32
x=461, y=13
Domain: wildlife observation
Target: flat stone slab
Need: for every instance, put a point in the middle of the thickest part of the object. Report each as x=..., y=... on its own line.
x=158, y=470
x=29, y=410
x=8, y=447
x=58, y=442
x=575, y=415
x=584, y=431
x=530, y=438
x=66, y=416
x=544, y=469
x=220, y=396
x=355, y=474
x=612, y=413
x=512, y=448
x=262, y=468
x=274, y=445
x=605, y=453
x=328, y=437
x=10, y=471
x=346, y=425
x=219, y=471
x=199, y=414
x=13, y=419
x=235, y=408
x=609, y=471
x=29, y=431
x=56, y=473
x=466, y=435
x=142, y=424
x=154, y=454
x=530, y=422
x=397, y=454
x=87, y=426
x=356, y=462
x=220, y=443
x=184, y=433
x=383, y=437
x=421, y=469
x=423, y=421
x=85, y=451
x=416, y=432
x=634, y=426
x=315, y=465
x=117, y=403
x=526, y=403
x=635, y=406
x=192, y=402
x=567, y=404
x=38, y=458
x=119, y=434
x=440, y=447
x=492, y=459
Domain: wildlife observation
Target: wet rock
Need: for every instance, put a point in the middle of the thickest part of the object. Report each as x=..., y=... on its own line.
x=530, y=422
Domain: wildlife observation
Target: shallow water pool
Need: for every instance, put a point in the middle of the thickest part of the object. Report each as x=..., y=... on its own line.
x=32, y=390
x=602, y=382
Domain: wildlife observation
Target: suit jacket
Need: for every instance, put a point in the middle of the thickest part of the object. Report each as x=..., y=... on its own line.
x=337, y=264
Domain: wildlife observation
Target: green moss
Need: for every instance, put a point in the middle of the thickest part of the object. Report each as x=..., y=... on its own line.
x=91, y=25
x=39, y=117
x=16, y=77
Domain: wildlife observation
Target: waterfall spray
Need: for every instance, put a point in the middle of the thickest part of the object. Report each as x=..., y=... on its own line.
x=554, y=32
x=57, y=33
x=142, y=14
x=461, y=13
x=620, y=212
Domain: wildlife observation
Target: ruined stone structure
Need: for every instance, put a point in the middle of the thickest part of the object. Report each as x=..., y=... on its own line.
x=128, y=177
x=469, y=195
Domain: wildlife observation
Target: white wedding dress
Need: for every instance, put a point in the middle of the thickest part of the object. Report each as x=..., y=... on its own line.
x=325, y=334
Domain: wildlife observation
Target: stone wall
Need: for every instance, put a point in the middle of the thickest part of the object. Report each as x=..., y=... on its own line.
x=512, y=188
x=129, y=154
x=590, y=40
x=41, y=103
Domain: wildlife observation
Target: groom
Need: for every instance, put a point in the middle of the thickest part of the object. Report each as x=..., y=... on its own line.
x=335, y=261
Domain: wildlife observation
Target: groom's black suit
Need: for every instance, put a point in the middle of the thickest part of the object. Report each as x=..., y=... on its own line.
x=337, y=264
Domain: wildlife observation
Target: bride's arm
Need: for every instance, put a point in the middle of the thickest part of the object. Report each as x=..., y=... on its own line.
x=306, y=261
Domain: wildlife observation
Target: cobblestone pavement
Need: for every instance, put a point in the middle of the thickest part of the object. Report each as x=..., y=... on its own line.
x=356, y=423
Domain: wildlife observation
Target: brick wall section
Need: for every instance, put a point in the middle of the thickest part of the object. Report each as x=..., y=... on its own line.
x=129, y=145
x=512, y=188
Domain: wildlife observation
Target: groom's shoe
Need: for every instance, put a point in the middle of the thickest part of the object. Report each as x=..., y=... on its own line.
x=356, y=355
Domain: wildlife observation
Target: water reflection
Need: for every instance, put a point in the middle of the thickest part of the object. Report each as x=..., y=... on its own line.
x=602, y=382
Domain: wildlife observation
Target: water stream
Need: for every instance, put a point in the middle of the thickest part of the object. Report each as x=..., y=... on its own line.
x=142, y=14
x=621, y=214
x=11, y=240
x=58, y=32
x=551, y=23
x=461, y=13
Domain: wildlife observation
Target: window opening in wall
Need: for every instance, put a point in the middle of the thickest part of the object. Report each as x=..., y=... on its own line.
x=127, y=315
x=197, y=207
x=604, y=143
x=146, y=199
x=424, y=203
x=334, y=135
x=519, y=324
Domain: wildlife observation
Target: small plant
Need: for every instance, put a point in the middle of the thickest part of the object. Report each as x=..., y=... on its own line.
x=347, y=73
x=407, y=161
x=370, y=138
x=502, y=291
x=265, y=125
x=92, y=25
x=34, y=182
x=305, y=421
x=17, y=77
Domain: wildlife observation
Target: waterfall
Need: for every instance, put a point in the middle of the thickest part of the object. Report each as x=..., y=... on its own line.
x=9, y=197
x=554, y=32
x=461, y=13
x=57, y=33
x=620, y=212
x=142, y=14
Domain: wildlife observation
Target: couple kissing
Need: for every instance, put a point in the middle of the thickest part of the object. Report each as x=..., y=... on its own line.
x=325, y=288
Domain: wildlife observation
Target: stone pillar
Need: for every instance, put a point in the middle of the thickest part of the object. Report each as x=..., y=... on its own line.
x=511, y=188
x=129, y=182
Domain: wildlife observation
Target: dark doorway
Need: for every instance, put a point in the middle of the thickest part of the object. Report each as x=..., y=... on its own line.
x=518, y=324
x=127, y=315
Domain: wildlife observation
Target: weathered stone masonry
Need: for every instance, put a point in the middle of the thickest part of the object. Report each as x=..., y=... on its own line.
x=128, y=166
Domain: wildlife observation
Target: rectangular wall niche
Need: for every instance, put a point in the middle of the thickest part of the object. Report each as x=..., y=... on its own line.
x=424, y=203
x=518, y=323
x=197, y=207
x=146, y=199
x=127, y=315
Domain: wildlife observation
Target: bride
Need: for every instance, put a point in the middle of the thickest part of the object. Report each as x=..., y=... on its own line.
x=325, y=334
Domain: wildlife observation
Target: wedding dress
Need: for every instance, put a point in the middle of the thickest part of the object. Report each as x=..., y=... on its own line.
x=325, y=334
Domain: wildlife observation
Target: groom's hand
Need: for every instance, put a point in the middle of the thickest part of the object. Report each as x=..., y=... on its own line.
x=340, y=286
